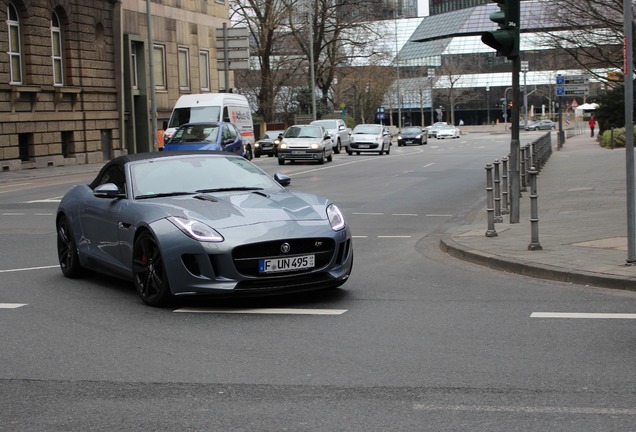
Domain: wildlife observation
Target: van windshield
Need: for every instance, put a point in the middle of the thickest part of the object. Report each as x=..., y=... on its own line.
x=185, y=115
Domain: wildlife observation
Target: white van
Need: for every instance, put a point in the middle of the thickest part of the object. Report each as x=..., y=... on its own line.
x=205, y=107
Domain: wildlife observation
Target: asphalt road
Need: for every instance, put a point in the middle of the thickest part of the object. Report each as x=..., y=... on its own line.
x=414, y=341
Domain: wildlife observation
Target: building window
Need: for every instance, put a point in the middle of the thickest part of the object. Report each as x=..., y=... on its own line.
x=56, y=53
x=135, y=75
x=204, y=69
x=15, y=56
x=159, y=57
x=184, y=69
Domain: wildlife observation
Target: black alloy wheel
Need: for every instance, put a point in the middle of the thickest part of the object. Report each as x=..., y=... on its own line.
x=67, y=250
x=149, y=271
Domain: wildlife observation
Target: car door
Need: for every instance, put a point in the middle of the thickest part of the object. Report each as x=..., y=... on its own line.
x=231, y=139
x=100, y=220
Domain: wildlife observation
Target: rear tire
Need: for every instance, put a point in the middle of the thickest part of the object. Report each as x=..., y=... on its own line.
x=338, y=147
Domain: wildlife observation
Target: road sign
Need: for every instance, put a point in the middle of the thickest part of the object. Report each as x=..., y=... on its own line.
x=572, y=90
x=572, y=79
x=238, y=47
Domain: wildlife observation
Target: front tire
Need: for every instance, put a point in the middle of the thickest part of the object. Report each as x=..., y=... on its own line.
x=67, y=250
x=281, y=161
x=149, y=271
x=338, y=147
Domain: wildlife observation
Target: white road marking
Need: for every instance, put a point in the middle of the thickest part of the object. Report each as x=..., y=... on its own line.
x=394, y=236
x=527, y=409
x=583, y=315
x=46, y=200
x=404, y=214
x=369, y=214
x=439, y=215
x=13, y=214
x=265, y=311
x=44, y=214
x=29, y=268
x=11, y=305
x=428, y=165
x=360, y=236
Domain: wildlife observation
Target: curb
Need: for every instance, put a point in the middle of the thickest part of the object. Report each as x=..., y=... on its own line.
x=539, y=271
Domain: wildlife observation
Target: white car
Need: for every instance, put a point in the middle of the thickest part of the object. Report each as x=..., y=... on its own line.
x=337, y=130
x=448, y=131
x=373, y=138
x=305, y=143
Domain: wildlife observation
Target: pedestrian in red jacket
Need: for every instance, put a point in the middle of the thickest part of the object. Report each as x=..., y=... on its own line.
x=592, y=124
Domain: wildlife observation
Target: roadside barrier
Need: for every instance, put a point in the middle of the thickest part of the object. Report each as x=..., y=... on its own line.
x=533, y=158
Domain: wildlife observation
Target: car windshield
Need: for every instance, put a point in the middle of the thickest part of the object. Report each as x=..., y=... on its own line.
x=368, y=129
x=189, y=174
x=327, y=124
x=271, y=135
x=412, y=130
x=303, y=132
x=196, y=133
x=194, y=114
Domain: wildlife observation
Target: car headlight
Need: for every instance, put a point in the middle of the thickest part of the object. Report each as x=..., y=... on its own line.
x=196, y=230
x=314, y=146
x=283, y=145
x=418, y=136
x=336, y=219
x=276, y=142
x=257, y=145
x=400, y=137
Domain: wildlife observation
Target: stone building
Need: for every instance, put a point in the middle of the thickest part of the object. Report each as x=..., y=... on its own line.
x=74, y=74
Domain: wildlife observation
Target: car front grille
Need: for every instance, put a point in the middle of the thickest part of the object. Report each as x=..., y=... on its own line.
x=246, y=258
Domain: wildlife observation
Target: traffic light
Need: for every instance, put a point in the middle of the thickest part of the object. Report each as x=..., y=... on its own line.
x=506, y=39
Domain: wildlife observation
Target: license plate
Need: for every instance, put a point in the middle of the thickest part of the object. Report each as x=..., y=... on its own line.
x=363, y=146
x=408, y=141
x=286, y=264
x=298, y=152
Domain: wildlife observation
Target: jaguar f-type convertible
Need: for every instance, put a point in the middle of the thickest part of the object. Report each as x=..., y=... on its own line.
x=201, y=223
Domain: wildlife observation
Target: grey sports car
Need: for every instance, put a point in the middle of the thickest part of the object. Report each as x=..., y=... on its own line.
x=189, y=223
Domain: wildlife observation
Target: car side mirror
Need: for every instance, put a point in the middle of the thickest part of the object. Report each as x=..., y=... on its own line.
x=282, y=179
x=327, y=136
x=108, y=190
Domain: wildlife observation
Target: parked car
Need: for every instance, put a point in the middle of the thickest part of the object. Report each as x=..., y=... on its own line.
x=305, y=143
x=338, y=132
x=201, y=223
x=432, y=130
x=266, y=143
x=541, y=125
x=412, y=135
x=447, y=131
x=212, y=136
x=370, y=138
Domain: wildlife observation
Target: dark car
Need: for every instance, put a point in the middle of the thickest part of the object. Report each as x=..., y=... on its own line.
x=412, y=135
x=266, y=144
x=201, y=223
x=212, y=136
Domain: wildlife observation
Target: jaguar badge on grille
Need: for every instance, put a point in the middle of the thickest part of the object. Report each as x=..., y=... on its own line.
x=285, y=248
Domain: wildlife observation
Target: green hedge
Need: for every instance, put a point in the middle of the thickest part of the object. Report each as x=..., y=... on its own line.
x=618, y=138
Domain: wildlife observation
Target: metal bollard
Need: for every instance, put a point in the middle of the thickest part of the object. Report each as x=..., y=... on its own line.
x=497, y=192
x=504, y=181
x=534, y=212
x=490, y=202
x=522, y=168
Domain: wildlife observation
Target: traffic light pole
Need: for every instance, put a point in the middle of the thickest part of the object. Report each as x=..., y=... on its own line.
x=515, y=188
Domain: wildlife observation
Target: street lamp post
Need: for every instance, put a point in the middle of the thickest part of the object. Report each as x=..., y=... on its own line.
x=397, y=65
x=524, y=69
x=312, y=76
x=431, y=76
x=488, y=104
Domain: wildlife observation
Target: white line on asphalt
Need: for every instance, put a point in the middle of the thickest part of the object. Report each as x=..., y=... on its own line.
x=265, y=311
x=583, y=315
x=439, y=215
x=46, y=200
x=44, y=214
x=13, y=214
x=394, y=236
x=404, y=214
x=11, y=305
x=28, y=269
x=360, y=236
x=428, y=165
x=367, y=214
x=527, y=409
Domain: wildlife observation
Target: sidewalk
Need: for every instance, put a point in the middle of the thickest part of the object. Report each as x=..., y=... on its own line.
x=582, y=212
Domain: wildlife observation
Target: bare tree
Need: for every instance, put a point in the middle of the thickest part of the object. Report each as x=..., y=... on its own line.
x=590, y=32
x=451, y=71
